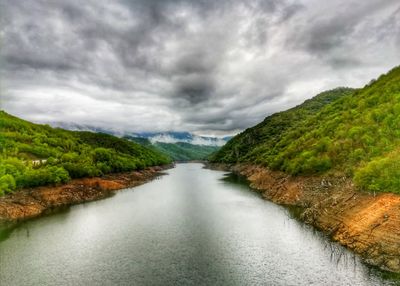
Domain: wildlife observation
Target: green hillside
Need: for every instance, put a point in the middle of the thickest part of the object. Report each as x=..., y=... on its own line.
x=142, y=141
x=34, y=155
x=179, y=151
x=254, y=142
x=353, y=132
x=182, y=151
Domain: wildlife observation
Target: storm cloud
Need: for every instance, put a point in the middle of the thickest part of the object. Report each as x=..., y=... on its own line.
x=206, y=66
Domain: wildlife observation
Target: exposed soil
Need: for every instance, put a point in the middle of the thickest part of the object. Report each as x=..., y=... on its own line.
x=366, y=223
x=29, y=203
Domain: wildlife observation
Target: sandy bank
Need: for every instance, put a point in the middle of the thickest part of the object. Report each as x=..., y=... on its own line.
x=29, y=203
x=367, y=224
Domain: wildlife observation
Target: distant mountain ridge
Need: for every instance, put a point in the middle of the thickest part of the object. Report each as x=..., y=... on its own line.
x=184, y=137
x=161, y=137
x=178, y=151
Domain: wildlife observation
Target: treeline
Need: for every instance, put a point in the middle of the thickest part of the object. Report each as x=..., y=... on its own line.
x=182, y=151
x=355, y=133
x=178, y=151
x=34, y=155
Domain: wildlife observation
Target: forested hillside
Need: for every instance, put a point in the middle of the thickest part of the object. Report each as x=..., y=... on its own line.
x=34, y=155
x=350, y=132
x=179, y=151
x=182, y=151
x=251, y=144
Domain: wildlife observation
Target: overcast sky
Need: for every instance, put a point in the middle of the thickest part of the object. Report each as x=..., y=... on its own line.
x=207, y=66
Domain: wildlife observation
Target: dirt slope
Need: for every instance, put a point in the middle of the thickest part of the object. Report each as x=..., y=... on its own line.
x=31, y=203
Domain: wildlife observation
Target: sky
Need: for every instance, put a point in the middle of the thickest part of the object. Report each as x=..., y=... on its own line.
x=206, y=66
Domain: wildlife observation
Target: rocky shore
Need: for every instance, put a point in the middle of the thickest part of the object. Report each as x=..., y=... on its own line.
x=367, y=224
x=30, y=203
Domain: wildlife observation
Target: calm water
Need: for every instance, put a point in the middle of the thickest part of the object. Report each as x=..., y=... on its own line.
x=191, y=227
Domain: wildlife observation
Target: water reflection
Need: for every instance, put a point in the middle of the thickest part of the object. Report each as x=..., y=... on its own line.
x=191, y=227
x=338, y=255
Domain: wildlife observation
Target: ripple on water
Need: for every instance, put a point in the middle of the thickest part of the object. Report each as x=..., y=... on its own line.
x=191, y=227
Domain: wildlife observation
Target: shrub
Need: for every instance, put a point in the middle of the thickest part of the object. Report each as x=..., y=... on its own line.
x=380, y=175
x=7, y=184
x=43, y=176
x=80, y=170
x=102, y=155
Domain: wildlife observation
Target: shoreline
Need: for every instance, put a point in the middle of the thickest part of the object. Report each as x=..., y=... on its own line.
x=367, y=224
x=34, y=202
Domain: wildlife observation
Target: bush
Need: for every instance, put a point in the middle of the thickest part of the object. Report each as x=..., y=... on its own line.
x=43, y=176
x=16, y=164
x=80, y=170
x=317, y=165
x=7, y=184
x=380, y=175
x=70, y=157
x=102, y=155
x=104, y=168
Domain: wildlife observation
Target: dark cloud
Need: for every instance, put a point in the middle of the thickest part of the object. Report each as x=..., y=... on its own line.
x=204, y=66
x=194, y=89
x=342, y=28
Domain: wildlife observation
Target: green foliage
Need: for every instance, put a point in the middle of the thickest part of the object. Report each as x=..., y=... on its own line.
x=380, y=175
x=123, y=150
x=349, y=131
x=82, y=169
x=182, y=151
x=42, y=176
x=34, y=155
x=179, y=151
x=139, y=140
x=102, y=155
x=257, y=144
x=7, y=184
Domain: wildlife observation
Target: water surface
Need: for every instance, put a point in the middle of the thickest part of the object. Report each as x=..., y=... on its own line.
x=191, y=227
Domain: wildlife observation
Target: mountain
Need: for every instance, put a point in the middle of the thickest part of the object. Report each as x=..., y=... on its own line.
x=163, y=137
x=185, y=137
x=85, y=127
x=179, y=146
x=34, y=155
x=139, y=140
x=355, y=133
x=263, y=137
x=179, y=151
x=182, y=151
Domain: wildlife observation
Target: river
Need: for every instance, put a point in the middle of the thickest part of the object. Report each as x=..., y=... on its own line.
x=192, y=226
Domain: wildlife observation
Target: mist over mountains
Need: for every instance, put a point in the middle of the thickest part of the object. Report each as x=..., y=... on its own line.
x=153, y=137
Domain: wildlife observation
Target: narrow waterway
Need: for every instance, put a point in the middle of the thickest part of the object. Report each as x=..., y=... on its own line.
x=191, y=227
